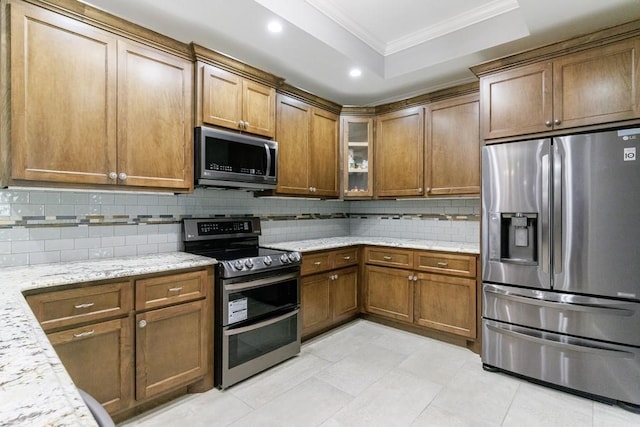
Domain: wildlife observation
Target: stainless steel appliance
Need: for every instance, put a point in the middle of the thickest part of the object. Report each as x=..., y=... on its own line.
x=234, y=160
x=257, y=297
x=561, y=273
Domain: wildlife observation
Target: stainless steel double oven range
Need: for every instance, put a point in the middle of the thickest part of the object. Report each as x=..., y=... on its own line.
x=257, y=296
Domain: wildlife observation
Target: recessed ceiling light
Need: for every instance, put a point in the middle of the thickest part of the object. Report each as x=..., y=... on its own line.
x=274, y=27
x=355, y=72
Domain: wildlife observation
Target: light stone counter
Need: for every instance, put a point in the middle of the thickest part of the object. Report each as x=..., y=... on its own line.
x=35, y=389
x=338, y=242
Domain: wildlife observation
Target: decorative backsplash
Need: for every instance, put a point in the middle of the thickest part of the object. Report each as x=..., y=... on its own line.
x=41, y=226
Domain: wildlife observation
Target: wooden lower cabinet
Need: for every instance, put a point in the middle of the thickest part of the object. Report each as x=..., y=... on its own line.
x=170, y=348
x=329, y=289
x=389, y=292
x=99, y=358
x=436, y=290
x=344, y=294
x=126, y=351
x=328, y=298
x=446, y=303
x=315, y=300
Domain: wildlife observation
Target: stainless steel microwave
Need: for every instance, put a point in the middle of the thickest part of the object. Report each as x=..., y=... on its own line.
x=234, y=160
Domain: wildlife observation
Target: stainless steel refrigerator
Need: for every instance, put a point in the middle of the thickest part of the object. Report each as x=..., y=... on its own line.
x=561, y=262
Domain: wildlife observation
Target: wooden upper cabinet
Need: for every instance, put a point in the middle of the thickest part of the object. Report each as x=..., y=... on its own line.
x=323, y=150
x=63, y=99
x=596, y=86
x=155, y=124
x=90, y=108
x=517, y=101
x=233, y=102
x=307, y=149
x=453, y=146
x=293, y=132
x=399, y=153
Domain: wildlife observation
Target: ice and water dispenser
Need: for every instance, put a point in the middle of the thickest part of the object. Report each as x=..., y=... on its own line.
x=513, y=237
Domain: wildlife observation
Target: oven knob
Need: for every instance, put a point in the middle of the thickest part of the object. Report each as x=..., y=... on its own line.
x=267, y=260
x=249, y=264
x=238, y=265
x=284, y=258
x=294, y=257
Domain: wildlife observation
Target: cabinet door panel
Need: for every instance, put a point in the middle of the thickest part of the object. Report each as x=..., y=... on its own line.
x=453, y=146
x=258, y=107
x=315, y=302
x=344, y=293
x=597, y=86
x=221, y=97
x=389, y=293
x=170, y=348
x=293, y=126
x=517, y=102
x=63, y=85
x=446, y=304
x=323, y=153
x=399, y=153
x=99, y=358
x=155, y=141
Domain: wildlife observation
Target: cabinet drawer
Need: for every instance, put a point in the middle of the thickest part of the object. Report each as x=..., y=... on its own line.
x=389, y=257
x=86, y=304
x=445, y=263
x=343, y=258
x=315, y=263
x=171, y=289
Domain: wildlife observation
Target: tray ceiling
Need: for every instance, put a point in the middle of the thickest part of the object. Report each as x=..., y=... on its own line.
x=403, y=47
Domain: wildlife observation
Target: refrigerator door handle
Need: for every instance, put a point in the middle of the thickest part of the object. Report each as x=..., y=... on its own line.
x=557, y=210
x=544, y=247
x=583, y=304
x=562, y=342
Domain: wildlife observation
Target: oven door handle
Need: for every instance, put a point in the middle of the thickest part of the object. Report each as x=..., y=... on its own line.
x=260, y=282
x=231, y=332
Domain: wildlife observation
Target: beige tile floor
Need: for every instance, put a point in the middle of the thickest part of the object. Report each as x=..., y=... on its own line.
x=365, y=374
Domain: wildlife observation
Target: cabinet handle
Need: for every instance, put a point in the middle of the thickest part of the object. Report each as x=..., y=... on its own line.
x=85, y=305
x=178, y=289
x=557, y=122
x=142, y=323
x=113, y=175
x=246, y=125
x=317, y=263
x=419, y=189
x=387, y=258
x=415, y=278
x=84, y=334
x=122, y=176
x=346, y=258
x=548, y=123
x=442, y=264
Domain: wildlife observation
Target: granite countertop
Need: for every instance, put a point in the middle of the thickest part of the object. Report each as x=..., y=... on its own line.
x=338, y=242
x=35, y=389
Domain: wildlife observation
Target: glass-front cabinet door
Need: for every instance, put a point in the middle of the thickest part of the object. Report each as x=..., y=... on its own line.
x=358, y=157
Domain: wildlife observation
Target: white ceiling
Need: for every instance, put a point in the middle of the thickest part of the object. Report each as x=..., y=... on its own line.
x=404, y=47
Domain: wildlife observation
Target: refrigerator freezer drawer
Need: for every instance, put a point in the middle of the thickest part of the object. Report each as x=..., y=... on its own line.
x=596, y=318
x=606, y=370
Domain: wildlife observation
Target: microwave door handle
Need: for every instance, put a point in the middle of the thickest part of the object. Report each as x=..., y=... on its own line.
x=268, y=172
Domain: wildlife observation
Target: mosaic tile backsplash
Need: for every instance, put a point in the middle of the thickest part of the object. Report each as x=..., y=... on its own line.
x=43, y=226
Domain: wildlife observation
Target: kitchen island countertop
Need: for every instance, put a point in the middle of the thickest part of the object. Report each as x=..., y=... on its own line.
x=35, y=389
